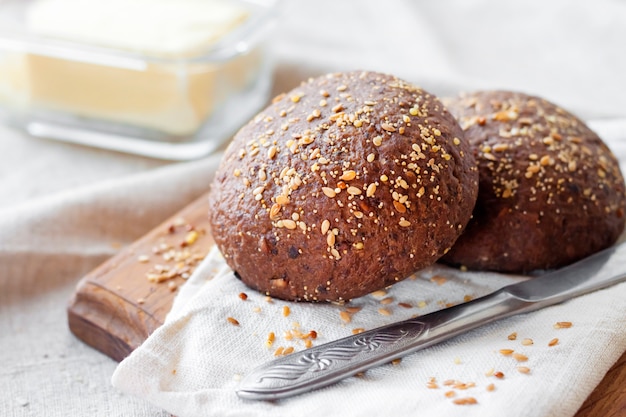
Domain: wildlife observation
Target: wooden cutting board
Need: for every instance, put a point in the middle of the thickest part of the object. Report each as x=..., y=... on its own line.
x=119, y=304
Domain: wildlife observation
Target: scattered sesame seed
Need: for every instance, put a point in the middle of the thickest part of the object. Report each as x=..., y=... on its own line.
x=232, y=321
x=523, y=369
x=465, y=401
x=191, y=237
x=438, y=279
x=553, y=342
x=143, y=258
x=377, y=141
x=506, y=352
x=527, y=342
x=345, y=316
x=563, y=325
x=286, y=311
x=384, y=312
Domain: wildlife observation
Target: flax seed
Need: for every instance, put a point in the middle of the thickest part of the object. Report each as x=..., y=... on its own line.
x=400, y=208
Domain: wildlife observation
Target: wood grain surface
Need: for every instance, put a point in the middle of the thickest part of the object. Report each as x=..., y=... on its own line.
x=119, y=304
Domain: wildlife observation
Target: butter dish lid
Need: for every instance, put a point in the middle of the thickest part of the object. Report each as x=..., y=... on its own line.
x=143, y=30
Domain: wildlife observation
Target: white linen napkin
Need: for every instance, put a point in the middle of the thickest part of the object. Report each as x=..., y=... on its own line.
x=192, y=364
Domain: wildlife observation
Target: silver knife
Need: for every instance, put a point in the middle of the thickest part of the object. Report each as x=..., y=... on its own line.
x=326, y=364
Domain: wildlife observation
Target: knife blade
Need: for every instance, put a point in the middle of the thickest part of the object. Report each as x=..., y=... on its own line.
x=326, y=364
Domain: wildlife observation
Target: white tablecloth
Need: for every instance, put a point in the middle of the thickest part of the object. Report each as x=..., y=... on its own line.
x=65, y=209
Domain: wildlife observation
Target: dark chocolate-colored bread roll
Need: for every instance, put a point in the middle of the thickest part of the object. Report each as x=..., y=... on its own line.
x=550, y=192
x=343, y=186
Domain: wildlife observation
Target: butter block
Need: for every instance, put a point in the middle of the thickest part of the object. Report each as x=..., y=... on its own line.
x=174, y=91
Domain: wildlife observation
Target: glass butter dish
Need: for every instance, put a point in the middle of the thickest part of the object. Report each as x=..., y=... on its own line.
x=170, y=79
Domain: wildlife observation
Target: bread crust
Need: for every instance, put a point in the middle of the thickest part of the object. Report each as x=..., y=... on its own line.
x=551, y=192
x=343, y=186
